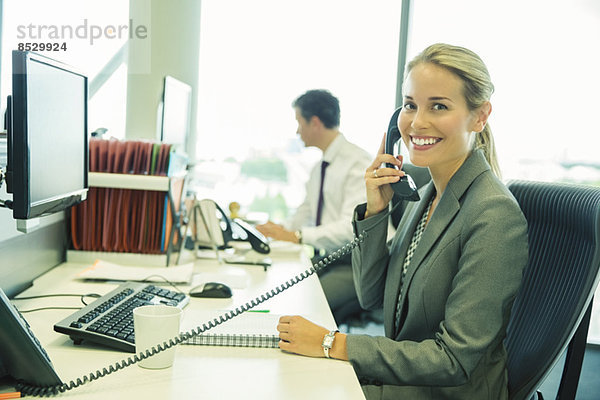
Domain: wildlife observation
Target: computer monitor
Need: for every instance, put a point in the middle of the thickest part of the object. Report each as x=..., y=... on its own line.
x=47, y=136
x=176, y=112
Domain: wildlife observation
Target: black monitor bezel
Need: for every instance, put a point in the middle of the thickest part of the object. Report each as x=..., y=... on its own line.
x=18, y=165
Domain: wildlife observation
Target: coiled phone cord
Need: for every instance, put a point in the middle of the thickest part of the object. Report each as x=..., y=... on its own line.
x=48, y=391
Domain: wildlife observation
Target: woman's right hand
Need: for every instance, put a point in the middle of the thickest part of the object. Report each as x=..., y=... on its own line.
x=378, y=178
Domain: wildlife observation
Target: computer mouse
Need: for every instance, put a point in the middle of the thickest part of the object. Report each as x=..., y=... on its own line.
x=211, y=290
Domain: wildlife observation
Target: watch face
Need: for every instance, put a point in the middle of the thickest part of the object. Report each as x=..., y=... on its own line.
x=328, y=341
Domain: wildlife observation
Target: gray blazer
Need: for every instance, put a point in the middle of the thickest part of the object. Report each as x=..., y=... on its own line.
x=457, y=293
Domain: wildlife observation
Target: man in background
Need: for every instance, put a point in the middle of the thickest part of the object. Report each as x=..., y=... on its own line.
x=334, y=188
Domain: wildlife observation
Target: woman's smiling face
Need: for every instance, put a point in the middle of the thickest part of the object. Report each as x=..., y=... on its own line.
x=436, y=125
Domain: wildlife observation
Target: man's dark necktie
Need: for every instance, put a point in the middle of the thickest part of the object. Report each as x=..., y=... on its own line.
x=324, y=165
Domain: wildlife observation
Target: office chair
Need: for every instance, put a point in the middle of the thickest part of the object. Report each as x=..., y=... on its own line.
x=553, y=307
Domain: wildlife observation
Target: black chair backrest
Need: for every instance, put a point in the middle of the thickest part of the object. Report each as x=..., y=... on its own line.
x=559, y=281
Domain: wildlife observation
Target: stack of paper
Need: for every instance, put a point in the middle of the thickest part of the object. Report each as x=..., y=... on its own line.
x=103, y=270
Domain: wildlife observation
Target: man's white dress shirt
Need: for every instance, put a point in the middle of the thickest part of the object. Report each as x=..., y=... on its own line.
x=343, y=189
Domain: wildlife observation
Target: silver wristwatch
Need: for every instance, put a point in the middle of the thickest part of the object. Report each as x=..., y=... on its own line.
x=328, y=342
x=298, y=235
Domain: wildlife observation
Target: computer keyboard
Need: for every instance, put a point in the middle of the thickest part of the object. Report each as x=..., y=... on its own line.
x=109, y=319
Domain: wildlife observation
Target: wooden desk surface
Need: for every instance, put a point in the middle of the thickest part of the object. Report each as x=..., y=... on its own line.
x=198, y=371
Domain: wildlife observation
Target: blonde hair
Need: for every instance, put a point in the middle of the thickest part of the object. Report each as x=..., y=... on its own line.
x=477, y=86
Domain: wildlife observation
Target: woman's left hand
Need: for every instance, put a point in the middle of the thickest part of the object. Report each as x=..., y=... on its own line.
x=299, y=335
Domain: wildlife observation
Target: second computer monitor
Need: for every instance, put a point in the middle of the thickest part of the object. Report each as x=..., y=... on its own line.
x=176, y=112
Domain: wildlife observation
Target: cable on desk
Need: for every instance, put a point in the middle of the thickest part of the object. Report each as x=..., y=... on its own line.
x=94, y=295
x=316, y=267
x=41, y=296
x=147, y=279
x=49, y=308
x=82, y=296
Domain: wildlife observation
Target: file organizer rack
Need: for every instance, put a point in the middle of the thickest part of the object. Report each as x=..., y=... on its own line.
x=130, y=218
x=173, y=187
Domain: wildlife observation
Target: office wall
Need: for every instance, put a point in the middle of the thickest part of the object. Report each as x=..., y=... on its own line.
x=25, y=256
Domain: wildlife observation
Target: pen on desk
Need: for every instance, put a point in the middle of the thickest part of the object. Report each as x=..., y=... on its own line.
x=264, y=311
x=10, y=395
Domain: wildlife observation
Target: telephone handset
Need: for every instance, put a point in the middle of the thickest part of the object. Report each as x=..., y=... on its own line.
x=250, y=234
x=213, y=227
x=240, y=231
x=405, y=187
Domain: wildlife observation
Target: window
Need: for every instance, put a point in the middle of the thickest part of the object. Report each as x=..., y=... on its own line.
x=39, y=21
x=538, y=53
x=255, y=61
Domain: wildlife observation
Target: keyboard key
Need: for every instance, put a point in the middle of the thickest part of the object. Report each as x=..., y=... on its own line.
x=112, y=332
x=85, y=319
x=179, y=297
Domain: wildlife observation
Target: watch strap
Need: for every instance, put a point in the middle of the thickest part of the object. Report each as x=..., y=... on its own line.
x=328, y=342
x=298, y=235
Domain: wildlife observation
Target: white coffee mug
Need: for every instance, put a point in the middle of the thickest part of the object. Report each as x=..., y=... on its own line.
x=153, y=325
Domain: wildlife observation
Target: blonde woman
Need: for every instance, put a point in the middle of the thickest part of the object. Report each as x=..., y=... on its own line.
x=447, y=279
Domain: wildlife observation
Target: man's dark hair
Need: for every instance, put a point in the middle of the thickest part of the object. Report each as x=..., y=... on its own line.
x=319, y=103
